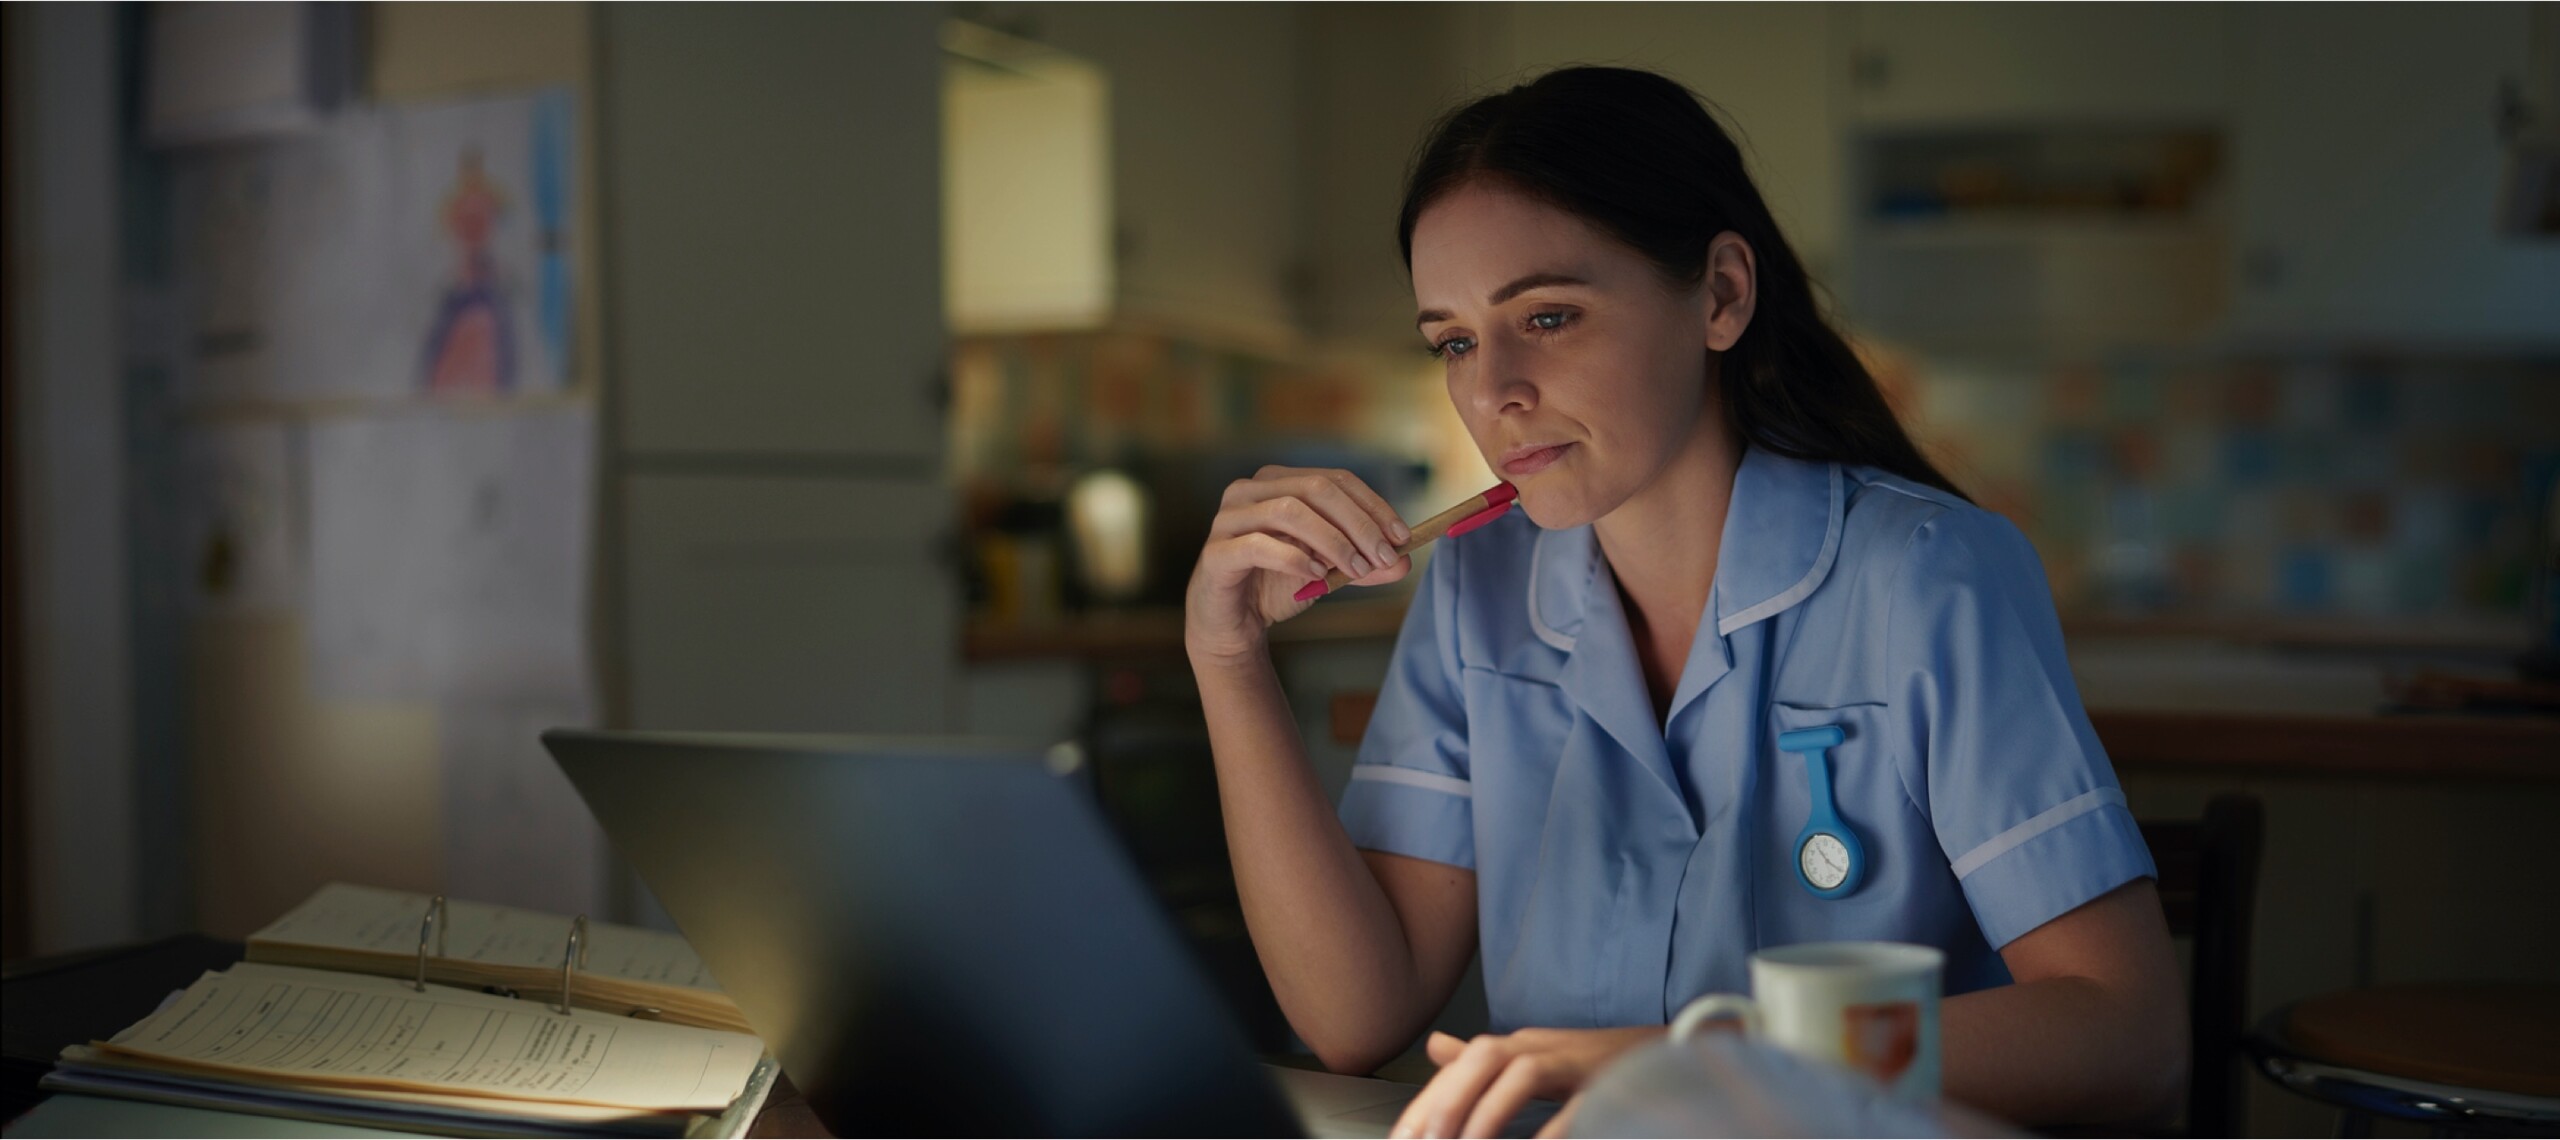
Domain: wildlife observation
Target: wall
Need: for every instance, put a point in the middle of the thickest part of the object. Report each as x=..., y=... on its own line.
x=290, y=791
x=65, y=459
x=2367, y=486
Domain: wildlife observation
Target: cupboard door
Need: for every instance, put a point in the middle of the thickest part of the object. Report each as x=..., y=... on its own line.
x=1206, y=147
x=798, y=603
x=2368, y=161
x=772, y=178
x=1768, y=67
x=1981, y=64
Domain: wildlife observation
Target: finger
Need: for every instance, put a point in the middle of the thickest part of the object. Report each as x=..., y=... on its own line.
x=1338, y=495
x=1271, y=481
x=1442, y=1048
x=1442, y=1108
x=1294, y=517
x=1502, y=1099
x=1235, y=558
x=1376, y=504
x=1391, y=572
x=1327, y=492
x=1562, y=1121
x=1444, y=1051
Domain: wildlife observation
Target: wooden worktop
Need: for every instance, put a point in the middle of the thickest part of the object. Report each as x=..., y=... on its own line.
x=2417, y=745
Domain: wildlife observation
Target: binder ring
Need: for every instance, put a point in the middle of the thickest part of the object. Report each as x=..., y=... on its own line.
x=570, y=961
x=432, y=925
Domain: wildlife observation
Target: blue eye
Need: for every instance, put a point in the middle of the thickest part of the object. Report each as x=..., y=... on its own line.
x=1454, y=346
x=1540, y=321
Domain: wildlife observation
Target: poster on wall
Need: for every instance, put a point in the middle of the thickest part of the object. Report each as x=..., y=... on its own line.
x=416, y=249
x=449, y=554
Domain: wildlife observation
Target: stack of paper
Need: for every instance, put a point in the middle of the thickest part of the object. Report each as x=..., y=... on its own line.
x=364, y=1050
x=374, y=931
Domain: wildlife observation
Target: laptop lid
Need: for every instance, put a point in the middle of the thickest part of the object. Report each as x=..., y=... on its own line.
x=933, y=935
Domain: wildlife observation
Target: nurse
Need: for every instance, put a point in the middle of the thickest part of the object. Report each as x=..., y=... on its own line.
x=1744, y=670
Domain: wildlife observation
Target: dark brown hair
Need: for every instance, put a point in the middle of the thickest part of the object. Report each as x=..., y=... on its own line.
x=1637, y=156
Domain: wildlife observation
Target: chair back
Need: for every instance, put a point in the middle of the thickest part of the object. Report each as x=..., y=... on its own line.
x=2209, y=889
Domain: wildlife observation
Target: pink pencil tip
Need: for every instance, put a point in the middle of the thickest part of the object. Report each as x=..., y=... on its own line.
x=1500, y=494
x=1312, y=590
x=1477, y=519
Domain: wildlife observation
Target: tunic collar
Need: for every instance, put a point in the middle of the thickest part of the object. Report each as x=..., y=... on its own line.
x=1781, y=537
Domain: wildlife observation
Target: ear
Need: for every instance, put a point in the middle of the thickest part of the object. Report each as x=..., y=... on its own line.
x=1731, y=289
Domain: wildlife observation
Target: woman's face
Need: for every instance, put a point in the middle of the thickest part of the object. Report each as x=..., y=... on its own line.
x=1579, y=372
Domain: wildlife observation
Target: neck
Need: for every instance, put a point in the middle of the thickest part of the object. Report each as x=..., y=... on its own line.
x=1663, y=541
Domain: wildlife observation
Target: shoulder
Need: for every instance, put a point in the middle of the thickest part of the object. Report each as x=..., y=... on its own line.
x=1910, y=539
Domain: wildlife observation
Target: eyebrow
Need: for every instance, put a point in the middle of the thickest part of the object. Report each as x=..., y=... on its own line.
x=1507, y=292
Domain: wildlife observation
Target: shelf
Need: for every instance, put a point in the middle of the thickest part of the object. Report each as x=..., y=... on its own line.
x=2038, y=226
x=1157, y=632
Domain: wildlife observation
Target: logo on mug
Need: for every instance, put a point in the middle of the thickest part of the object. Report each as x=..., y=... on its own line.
x=1881, y=1040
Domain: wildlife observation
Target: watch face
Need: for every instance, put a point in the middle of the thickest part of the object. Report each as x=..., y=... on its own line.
x=1825, y=860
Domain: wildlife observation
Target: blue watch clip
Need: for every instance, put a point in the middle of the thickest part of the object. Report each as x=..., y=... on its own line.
x=1814, y=744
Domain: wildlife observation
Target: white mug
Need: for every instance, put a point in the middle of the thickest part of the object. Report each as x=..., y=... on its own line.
x=1869, y=1006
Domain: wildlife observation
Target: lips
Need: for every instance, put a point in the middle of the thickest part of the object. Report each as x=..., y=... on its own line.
x=1521, y=461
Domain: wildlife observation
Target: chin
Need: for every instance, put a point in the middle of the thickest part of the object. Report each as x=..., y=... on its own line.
x=1555, y=507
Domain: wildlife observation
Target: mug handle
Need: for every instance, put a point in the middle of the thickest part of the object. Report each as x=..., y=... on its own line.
x=1711, y=1007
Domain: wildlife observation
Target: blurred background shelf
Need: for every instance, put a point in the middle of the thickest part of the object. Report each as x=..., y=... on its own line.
x=1157, y=632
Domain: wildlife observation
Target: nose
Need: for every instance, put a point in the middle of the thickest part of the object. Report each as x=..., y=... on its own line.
x=1494, y=386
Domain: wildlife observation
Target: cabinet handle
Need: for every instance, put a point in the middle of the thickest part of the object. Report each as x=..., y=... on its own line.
x=2515, y=112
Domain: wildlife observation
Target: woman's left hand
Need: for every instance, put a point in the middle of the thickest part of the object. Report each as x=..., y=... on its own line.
x=1485, y=1081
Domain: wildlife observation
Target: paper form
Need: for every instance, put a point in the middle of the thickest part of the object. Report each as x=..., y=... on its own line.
x=370, y=919
x=450, y=555
x=354, y=1030
x=271, y=1091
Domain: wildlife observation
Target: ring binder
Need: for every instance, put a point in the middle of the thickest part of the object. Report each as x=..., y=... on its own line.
x=574, y=957
x=432, y=925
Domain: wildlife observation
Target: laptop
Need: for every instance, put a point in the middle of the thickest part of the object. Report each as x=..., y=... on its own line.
x=941, y=936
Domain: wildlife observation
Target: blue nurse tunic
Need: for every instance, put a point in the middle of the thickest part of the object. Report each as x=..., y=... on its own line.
x=1626, y=865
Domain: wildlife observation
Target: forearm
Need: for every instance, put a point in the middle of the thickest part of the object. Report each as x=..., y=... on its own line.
x=2064, y=1050
x=1329, y=939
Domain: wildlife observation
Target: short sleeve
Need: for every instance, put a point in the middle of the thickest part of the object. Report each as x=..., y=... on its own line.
x=1409, y=792
x=1999, y=749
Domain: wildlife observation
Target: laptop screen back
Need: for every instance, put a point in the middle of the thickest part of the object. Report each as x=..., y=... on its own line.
x=932, y=936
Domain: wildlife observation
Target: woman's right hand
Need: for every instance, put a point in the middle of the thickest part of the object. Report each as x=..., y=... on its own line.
x=1274, y=533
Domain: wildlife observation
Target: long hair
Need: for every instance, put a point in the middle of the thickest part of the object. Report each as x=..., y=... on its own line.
x=1637, y=156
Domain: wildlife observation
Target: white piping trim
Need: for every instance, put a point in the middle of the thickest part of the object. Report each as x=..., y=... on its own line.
x=1812, y=575
x=1428, y=781
x=2050, y=818
x=1537, y=621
